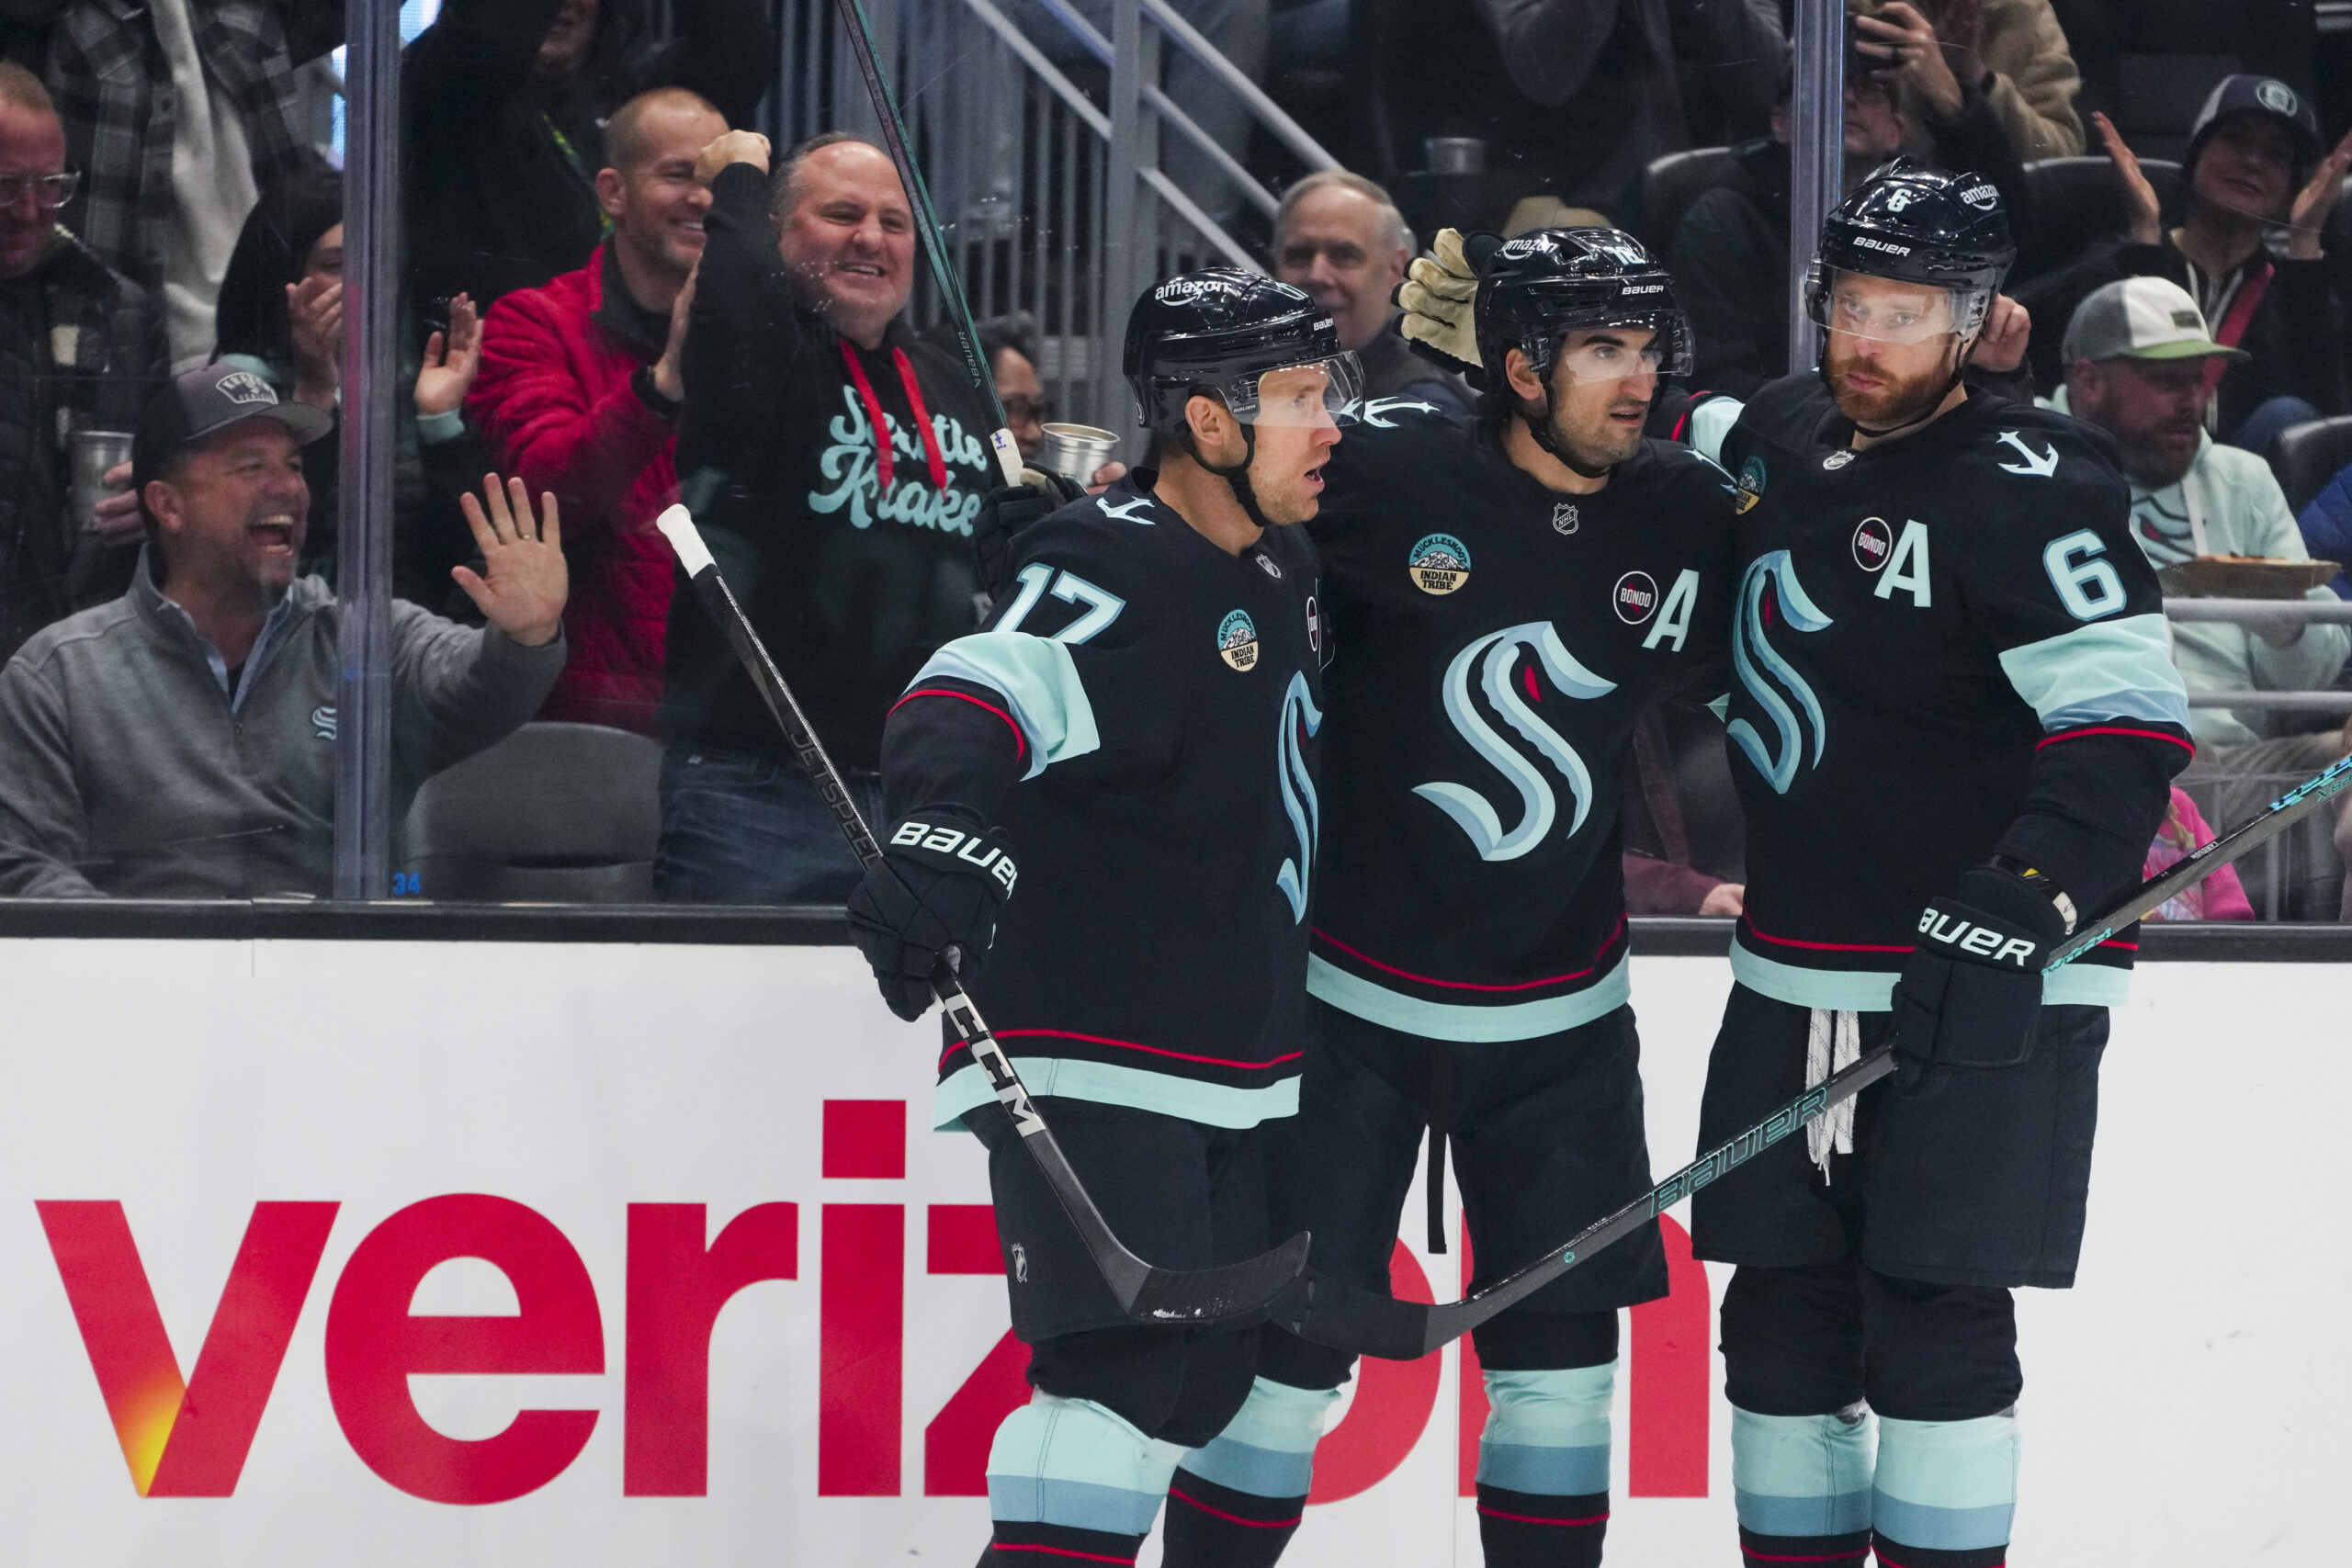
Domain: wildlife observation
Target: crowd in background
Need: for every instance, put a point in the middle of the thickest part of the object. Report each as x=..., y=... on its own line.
x=615, y=294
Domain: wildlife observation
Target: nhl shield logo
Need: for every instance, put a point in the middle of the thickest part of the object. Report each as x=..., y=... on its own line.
x=1563, y=517
x=1440, y=563
x=1838, y=459
x=1237, y=640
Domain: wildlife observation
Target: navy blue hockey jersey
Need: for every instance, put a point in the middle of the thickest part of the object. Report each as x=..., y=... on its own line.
x=1946, y=647
x=1494, y=642
x=1159, y=702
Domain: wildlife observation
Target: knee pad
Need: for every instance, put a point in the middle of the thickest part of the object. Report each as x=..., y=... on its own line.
x=1078, y=1464
x=1547, y=1432
x=1946, y=1485
x=1268, y=1449
x=1802, y=1475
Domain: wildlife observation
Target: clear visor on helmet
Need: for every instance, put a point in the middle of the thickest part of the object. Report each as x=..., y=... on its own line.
x=1616, y=351
x=1890, y=310
x=1313, y=392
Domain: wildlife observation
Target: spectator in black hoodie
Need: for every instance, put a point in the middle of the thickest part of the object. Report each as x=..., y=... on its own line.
x=1730, y=253
x=503, y=108
x=852, y=555
x=2247, y=249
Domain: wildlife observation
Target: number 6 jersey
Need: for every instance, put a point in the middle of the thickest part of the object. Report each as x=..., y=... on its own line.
x=1944, y=648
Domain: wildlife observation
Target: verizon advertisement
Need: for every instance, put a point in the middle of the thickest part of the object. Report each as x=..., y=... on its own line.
x=389, y=1253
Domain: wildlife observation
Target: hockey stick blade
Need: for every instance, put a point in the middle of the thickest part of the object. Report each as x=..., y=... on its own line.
x=1146, y=1293
x=1349, y=1317
x=934, y=240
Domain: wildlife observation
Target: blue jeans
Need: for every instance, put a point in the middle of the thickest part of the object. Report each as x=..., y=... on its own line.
x=739, y=827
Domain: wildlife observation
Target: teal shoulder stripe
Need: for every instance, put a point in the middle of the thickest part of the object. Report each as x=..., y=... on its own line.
x=1105, y=1083
x=1710, y=422
x=1442, y=1020
x=2107, y=669
x=1847, y=990
x=1039, y=683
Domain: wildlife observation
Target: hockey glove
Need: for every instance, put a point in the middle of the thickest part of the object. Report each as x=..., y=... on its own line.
x=1970, y=995
x=1005, y=513
x=1439, y=298
x=937, y=887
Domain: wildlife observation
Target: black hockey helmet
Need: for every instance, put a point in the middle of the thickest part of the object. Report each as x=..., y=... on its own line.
x=1914, y=224
x=1546, y=284
x=1220, y=329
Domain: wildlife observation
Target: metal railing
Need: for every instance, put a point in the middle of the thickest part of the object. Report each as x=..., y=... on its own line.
x=2245, y=612
x=1043, y=141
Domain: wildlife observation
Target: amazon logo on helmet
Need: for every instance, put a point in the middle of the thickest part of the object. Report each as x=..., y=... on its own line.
x=1211, y=328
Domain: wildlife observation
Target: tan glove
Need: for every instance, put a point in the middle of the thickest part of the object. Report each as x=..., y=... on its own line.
x=1439, y=298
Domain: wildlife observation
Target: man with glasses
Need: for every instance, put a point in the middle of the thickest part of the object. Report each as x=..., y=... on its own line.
x=80, y=348
x=1952, y=730
x=1340, y=237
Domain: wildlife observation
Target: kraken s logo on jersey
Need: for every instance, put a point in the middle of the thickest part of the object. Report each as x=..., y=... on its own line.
x=1496, y=659
x=1439, y=563
x=1759, y=667
x=1300, y=719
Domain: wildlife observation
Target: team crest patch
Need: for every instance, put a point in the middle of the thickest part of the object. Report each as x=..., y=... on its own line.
x=244, y=387
x=1237, y=640
x=1563, y=517
x=2278, y=97
x=1750, y=484
x=1440, y=563
x=1873, y=544
x=1634, y=598
x=1838, y=459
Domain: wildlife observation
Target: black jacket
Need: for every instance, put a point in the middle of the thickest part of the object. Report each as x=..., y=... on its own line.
x=500, y=169
x=80, y=348
x=851, y=582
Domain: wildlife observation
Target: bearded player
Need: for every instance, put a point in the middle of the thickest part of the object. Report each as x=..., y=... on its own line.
x=1952, y=730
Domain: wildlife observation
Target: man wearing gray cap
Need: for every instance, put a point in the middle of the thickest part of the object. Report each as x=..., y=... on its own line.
x=2140, y=364
x=179, y=741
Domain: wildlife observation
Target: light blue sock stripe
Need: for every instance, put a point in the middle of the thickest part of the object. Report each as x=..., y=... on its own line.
x=1940, y=1529
x=1072, y=1461
x=1766, y=1515
x=1261, y=1473
x=1800, y=1474
x=1564, y=1472
x=1078, y=1504
x=1948, y=1485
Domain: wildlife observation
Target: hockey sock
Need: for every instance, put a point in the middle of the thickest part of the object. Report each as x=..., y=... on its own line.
x=1236, y=1500
x=1802, y=1486
x=1543, y=1467
x=1068, y=1477
x=1945, y=1492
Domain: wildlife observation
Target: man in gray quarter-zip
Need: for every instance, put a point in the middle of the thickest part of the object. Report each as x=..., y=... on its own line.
x=179, y=741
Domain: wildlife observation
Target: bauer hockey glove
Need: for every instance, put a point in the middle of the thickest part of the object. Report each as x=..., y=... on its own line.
x=1005, y=513
x=1970, y=995
x=938, y=886
x=1439, y=298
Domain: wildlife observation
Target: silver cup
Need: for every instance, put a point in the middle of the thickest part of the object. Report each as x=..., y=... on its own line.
x=89, y=454
x=1455, y=155
x=1075, y=451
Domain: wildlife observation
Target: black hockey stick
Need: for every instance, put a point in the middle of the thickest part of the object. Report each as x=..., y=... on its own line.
x=1333, y=1313
x=1144, y=1293
x=934, y=242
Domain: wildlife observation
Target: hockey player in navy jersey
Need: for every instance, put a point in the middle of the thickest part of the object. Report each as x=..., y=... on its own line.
x=1952, y=729
x=1504, y=599
x=1135, y=729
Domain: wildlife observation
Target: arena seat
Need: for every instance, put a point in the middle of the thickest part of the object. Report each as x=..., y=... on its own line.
x=555, y=813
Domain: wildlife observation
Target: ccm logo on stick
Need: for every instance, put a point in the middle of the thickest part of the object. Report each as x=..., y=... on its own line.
x=1969, y=937
x=952, y=841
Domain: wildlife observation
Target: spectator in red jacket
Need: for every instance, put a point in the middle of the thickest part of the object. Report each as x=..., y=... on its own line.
x=579, y=393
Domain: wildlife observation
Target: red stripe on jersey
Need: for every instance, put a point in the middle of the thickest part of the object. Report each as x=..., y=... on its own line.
x=1021, y=743
x=1822, y=946
x=1609, y=941
x=2187, y=746
x=1124, y=1045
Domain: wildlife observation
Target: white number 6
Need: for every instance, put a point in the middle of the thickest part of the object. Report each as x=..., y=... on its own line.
x=2088, y=588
